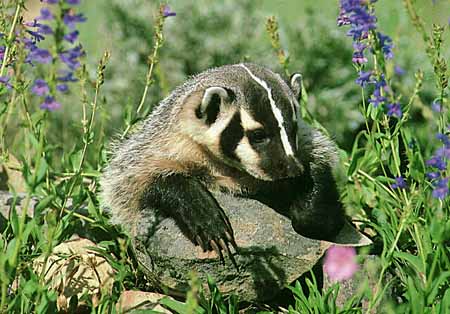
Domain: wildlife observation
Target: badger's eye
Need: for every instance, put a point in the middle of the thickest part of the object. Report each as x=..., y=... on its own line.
x=257, y=136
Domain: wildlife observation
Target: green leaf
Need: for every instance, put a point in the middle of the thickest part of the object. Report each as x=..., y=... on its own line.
x=414, y=261
x=41, y=170
x=177, y=306
x=43, y=204
x=437, y=283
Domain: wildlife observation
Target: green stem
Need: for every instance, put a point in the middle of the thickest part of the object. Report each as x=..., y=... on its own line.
x=10, y=36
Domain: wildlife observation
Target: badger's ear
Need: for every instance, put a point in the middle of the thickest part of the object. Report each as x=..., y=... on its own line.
x=213, y=98
x=296, y=85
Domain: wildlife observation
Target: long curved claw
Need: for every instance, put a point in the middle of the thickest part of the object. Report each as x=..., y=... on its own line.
x=217, y=250
x=225, y=247
x=230, y=239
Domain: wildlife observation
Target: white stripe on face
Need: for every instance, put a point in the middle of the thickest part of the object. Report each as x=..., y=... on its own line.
x=276, y=112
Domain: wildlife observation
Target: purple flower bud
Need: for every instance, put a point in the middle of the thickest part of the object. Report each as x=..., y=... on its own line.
x=50, y=104
x=377, y=99
x=40, y=56
x=167, y=12
x=70, y=19
x=50, y=1
x=394, y=110
x=342, y=18
x=40, y=87
x=4, y=80
x=386, y=45
x=445, y=139
x=73, y=2
x=46, y=14
x=63, y=88
x=436, y=162
x=71, y=37
x=436, y=106
x=70, y=57
x=364, y=78
x=433, y=175
x=358, y=57
x=440, y=190
x=45, y=29
x=399, y=183
x=399, y=71
x=67, y=76
x=35, y=36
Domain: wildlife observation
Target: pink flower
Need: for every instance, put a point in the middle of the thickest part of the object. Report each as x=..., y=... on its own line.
x=340, y=263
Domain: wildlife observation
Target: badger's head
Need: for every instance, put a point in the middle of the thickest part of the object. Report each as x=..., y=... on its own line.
x=248, y=117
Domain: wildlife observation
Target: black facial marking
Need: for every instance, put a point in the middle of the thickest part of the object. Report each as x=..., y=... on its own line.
x=231, y=136
x=212, y=110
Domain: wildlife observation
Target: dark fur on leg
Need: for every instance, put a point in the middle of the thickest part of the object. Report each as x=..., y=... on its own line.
x=193, y=208
x=311, y=201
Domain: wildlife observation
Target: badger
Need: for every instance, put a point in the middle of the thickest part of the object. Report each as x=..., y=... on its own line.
x=233, y=129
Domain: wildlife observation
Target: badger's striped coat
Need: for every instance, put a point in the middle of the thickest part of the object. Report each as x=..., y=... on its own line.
x=236, y=129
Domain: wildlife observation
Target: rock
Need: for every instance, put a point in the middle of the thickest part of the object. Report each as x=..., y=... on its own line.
x=130, y=301
x=10, y=176
x=7, y=200
x=271, y=254
x=74, y=269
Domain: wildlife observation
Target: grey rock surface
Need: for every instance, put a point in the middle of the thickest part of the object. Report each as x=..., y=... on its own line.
x=271, y=254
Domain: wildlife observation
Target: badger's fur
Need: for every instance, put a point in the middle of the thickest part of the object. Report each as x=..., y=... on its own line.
x=236, y=129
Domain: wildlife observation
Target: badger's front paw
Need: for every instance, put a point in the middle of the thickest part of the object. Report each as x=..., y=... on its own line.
x=212, y=230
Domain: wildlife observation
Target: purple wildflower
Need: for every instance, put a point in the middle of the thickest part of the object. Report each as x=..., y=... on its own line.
x=40, y=56
x=386, y=45
x=167, y=12
x=363, y=78
x=45, y=29
x=436, y=162
x=381, y=83
x=67, y=76
x=50, y=1
x=342, y=18
x=4, y=80
x=400, y=183
x=71, y=37
x=358, y=53
x=70, y=57
x=36, y=36
x=399, y=71
x=433, y=175
x=73, y=2
x=440, y=190
x=63, y=88
x=436, y=106
x=70, y=19
x=46, y=15
x=40, y=87
x=340, y=263
x=394, y=110
x=355, y=13
x=443, y=152
x=2, y=52
x=50, y=104
x=376, y=99
x=445, y=139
